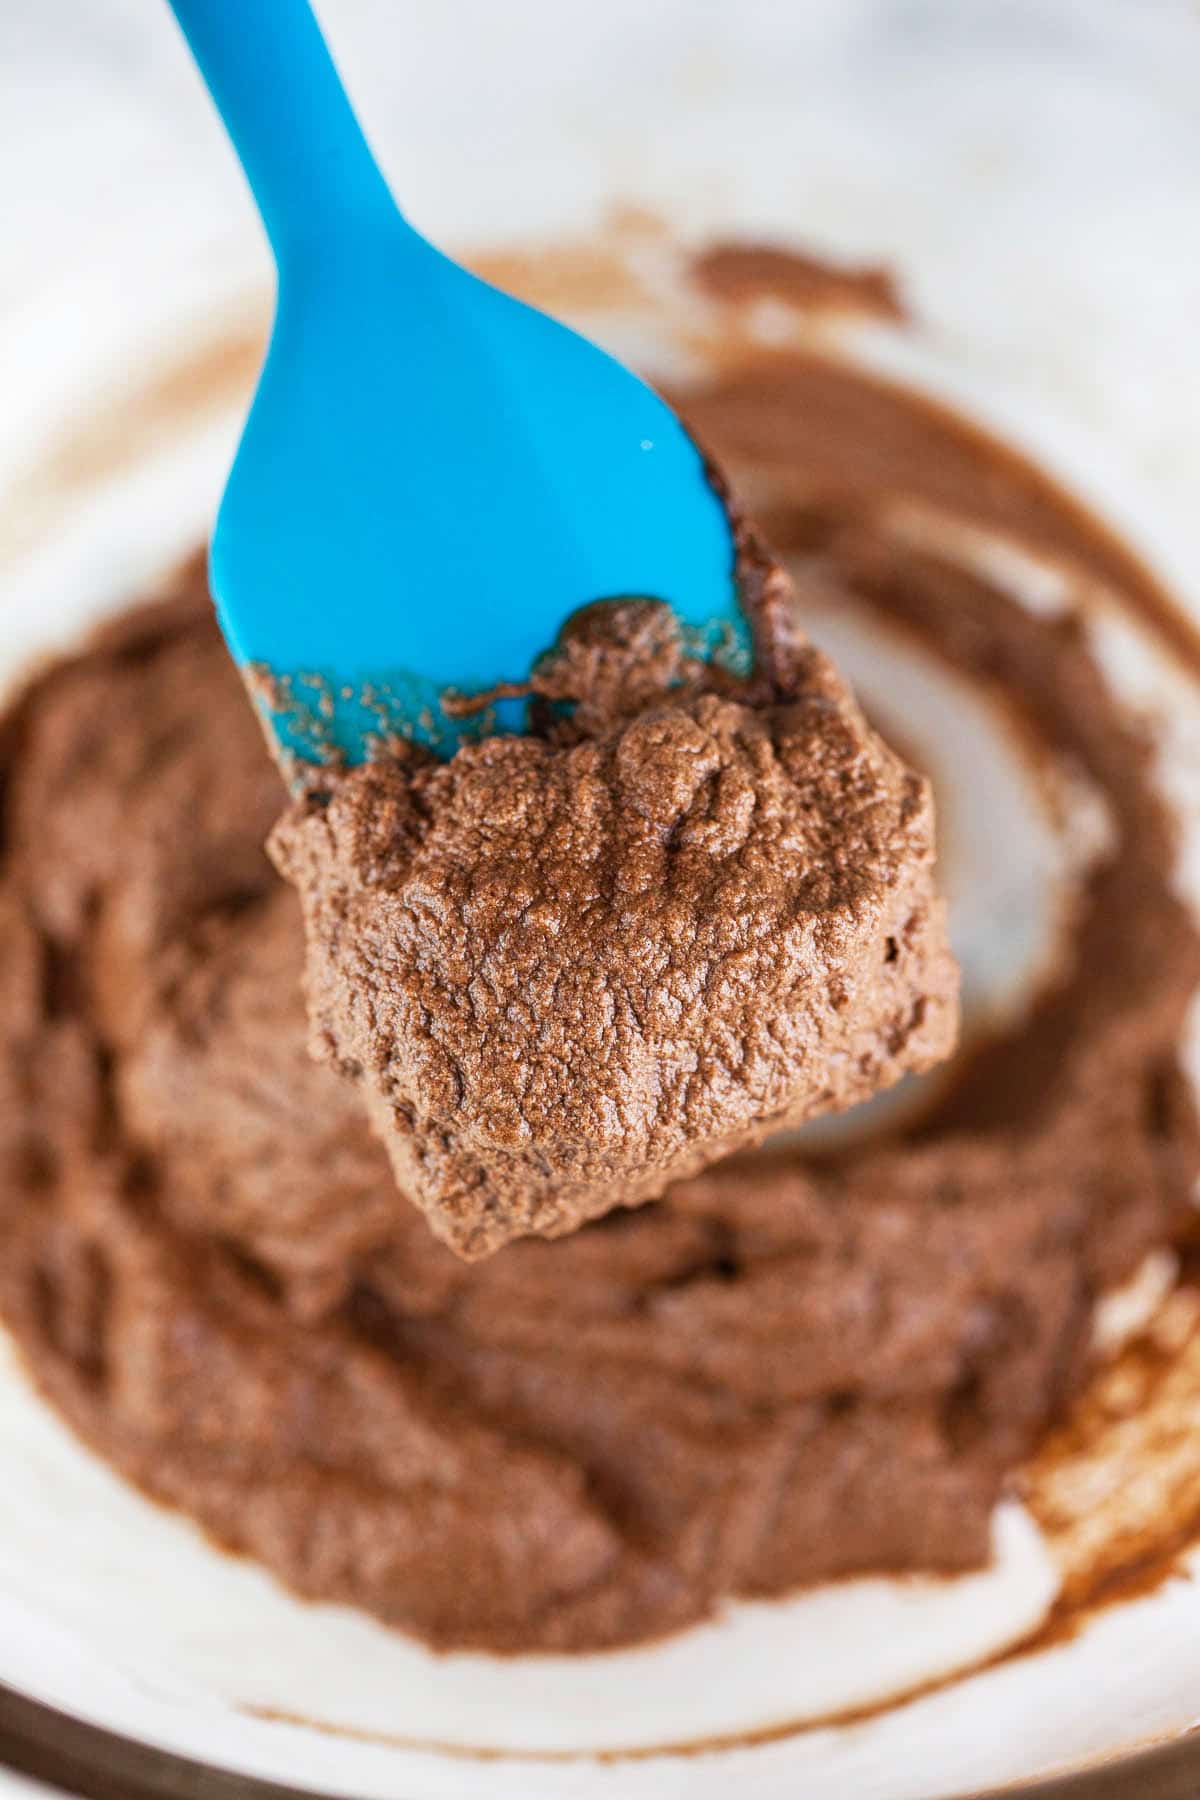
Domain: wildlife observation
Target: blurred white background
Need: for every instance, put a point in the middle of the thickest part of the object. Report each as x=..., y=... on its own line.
x=1032, y=167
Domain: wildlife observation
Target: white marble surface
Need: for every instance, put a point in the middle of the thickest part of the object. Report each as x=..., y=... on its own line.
x=1033, y=166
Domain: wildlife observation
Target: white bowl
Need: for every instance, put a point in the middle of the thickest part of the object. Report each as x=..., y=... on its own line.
x=111, y=456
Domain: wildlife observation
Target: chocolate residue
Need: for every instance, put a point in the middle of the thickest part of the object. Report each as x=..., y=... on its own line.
x=1116, y=1485
x=790, y=424
x=782, y=1371
x=738, y=272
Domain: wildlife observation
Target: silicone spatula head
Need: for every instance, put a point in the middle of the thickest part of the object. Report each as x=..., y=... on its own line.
x=433, y=475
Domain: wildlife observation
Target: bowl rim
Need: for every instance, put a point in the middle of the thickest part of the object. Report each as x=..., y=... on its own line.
x=72, y=1757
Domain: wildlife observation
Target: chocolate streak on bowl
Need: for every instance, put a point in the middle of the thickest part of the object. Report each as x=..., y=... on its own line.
x=745, y=272
x=1141, y=1412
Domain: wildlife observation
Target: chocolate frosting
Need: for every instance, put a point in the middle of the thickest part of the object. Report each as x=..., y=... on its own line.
x=787, y=1368
x=569, y=968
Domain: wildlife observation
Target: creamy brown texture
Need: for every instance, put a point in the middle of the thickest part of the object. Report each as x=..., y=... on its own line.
x=783, y=1370
x=570, y=967
x=749, y=272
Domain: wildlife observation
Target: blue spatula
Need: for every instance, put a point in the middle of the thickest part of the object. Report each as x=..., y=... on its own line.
x=432, y=475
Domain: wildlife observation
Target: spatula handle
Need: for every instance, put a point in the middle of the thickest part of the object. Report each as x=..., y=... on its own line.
x=275, y=85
